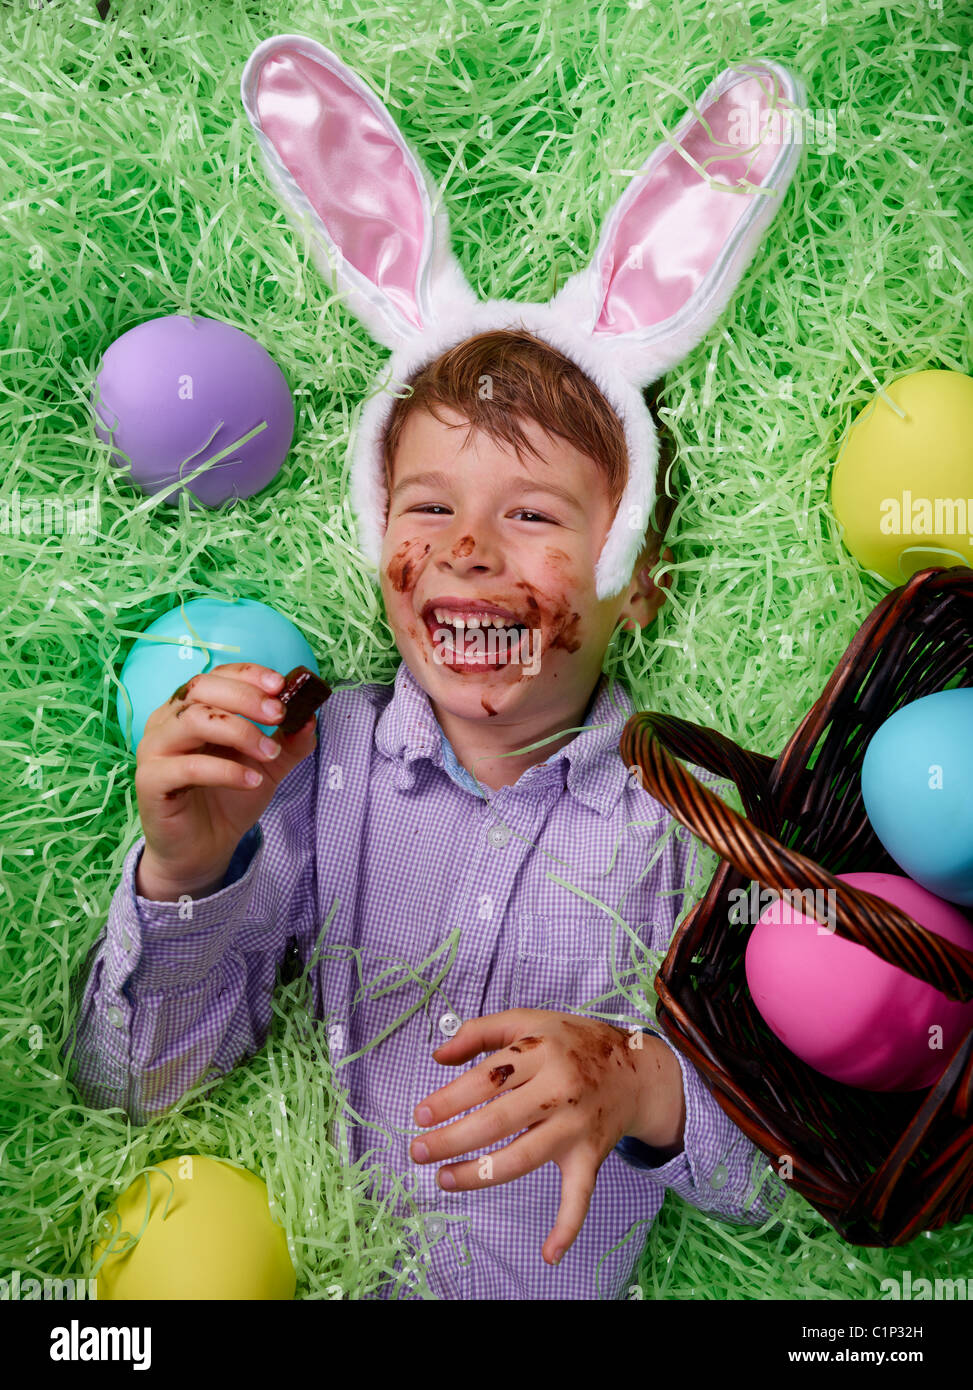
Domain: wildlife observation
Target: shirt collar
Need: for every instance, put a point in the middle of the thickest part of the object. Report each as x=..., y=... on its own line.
x=408, y=730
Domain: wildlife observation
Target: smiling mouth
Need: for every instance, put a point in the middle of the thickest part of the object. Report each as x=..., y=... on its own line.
x=485, y=647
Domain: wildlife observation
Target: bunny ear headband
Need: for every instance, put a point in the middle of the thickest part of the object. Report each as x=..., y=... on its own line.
x=671, y=253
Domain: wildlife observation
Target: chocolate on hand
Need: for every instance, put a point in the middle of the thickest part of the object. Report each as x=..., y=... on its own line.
x=302, y=694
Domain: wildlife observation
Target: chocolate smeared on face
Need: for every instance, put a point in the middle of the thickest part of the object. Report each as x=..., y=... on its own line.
x=400, y=569
x=533, y=606
x=413, y=632
x=566, y=635
x=564, y=621
x=463, y=547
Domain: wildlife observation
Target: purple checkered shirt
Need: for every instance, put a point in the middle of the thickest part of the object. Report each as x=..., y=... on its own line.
x=376, y=819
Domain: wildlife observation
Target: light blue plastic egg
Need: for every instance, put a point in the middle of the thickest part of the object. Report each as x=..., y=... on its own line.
x=917, y=786
x=199, y=636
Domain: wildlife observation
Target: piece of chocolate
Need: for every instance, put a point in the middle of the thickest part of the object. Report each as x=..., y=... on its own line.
x=302, y=694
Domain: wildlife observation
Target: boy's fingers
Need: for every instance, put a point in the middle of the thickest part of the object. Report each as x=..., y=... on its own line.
x=265, y=676
x=197, y=725
x=522, y=1155
x=578, y=1178
x=222, y=692
x=162, y=777
x=500, y=1072
x=484, y=1034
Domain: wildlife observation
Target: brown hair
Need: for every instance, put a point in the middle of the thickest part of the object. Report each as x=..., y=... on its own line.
x=529, y=378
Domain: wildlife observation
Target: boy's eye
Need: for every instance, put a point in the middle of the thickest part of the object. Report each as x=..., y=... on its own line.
x=521, y=511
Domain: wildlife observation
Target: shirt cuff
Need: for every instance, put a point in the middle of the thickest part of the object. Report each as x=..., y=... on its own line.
x=150, y=910
x=717, y=1170
x=242, y=856
x=165, y=944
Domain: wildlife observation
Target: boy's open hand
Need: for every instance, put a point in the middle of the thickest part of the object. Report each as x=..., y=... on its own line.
x=576, y=1085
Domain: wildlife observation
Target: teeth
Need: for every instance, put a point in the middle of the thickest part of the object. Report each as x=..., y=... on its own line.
x=472, y=620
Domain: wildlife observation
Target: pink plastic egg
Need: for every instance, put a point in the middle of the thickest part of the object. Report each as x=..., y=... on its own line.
x=845, y=1012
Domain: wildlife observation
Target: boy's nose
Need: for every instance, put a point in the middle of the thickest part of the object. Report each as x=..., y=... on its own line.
x=468, y=547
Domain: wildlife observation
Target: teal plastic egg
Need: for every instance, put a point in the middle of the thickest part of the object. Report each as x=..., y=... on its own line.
x=917, y=786
x=199, y=636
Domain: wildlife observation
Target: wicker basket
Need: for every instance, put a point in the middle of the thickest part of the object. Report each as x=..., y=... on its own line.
x=880, y=1166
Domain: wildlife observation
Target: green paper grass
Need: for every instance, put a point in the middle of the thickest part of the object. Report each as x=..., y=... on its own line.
x=130, y=188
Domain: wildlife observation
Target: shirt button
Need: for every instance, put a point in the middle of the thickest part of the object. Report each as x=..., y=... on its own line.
x=116, y=1017
x=498, y=835
x=449, y=1024
x=435, y=1226
x=720, y=1176
x=126, y=941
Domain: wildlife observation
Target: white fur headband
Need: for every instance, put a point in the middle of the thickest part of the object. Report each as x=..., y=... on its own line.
x=671, y=253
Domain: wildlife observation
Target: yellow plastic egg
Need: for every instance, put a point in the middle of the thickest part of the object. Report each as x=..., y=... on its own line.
x=209, y=1235
x=902, y=487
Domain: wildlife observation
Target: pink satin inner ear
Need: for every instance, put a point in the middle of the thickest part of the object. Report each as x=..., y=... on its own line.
x=352, y=169
x=676, y=226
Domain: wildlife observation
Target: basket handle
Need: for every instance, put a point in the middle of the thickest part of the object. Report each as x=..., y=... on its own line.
x=718, y=754
x=861, y=917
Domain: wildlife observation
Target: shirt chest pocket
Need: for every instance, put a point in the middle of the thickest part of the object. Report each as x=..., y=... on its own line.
x=570, y=963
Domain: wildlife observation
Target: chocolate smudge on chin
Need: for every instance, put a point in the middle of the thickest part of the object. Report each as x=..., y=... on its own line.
x=486, y=705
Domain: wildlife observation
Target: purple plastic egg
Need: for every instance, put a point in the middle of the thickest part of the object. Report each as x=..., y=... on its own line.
x=176, y=392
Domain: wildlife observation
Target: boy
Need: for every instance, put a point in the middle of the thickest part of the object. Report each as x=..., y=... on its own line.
x=455, y=811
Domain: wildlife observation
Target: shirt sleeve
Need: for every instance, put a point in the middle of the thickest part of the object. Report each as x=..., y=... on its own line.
x=719, y=1170
x=178, y=992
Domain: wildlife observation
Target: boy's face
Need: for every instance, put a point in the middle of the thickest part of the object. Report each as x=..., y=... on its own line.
x=487, y=533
